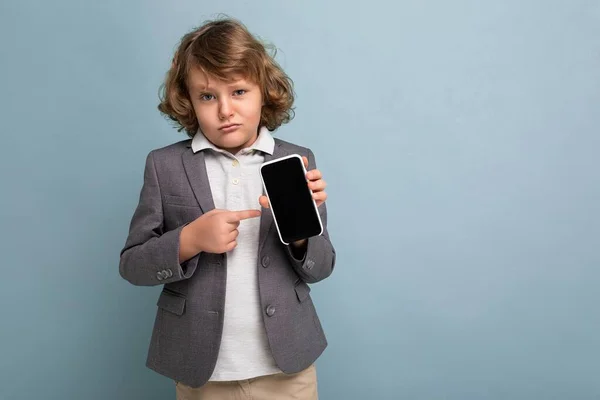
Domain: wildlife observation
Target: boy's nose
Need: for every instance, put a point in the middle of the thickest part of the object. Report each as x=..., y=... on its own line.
x=225, y=110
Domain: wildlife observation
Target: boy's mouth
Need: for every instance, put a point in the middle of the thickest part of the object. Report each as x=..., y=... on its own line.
x=228, y=126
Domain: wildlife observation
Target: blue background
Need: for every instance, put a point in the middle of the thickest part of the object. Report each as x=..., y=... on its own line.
x=460, y=142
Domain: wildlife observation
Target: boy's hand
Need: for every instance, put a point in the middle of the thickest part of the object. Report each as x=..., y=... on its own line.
x=315, y=183
x=214, y=232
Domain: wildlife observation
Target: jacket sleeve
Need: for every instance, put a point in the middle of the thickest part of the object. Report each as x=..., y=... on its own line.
x=319, y=260
x=151, y=256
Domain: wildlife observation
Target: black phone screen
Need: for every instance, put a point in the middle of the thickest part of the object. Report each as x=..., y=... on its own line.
x=291, y=200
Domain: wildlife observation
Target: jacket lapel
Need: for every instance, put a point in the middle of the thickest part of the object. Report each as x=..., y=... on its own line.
x=195, y=169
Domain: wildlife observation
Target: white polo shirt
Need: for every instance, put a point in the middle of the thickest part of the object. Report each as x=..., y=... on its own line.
x=236, y=185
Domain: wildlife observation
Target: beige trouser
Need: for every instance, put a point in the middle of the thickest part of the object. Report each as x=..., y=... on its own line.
x=298, y=386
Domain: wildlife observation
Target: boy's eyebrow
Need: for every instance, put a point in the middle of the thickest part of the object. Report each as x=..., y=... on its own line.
x=199, y=86
x=237, y=82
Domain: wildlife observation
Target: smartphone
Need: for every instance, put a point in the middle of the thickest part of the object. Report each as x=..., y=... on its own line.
x=294, y=210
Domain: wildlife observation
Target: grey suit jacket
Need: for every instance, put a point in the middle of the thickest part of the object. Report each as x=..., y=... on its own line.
x=189, y=321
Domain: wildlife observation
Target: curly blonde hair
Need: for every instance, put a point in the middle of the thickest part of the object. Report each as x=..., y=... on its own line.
x=223, y=49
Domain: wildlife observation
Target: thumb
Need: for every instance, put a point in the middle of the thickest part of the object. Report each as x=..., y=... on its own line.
x=305, y=160
x=263, y=201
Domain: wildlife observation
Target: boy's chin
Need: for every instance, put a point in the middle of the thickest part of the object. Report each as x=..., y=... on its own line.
x=235, y=139
x=233, y=143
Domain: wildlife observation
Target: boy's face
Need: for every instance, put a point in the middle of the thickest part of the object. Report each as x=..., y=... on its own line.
x=228, y=113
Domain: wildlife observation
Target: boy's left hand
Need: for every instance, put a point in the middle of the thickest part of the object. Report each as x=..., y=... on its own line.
x=315, y=183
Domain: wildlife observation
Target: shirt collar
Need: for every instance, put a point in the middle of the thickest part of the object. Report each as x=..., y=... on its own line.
x=264, y=142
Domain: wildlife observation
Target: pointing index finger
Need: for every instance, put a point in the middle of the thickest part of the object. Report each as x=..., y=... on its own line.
x=236, y=216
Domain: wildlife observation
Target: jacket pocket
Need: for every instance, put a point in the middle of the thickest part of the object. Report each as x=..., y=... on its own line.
x=171, y=301
x=186, y=201
x=302, y=290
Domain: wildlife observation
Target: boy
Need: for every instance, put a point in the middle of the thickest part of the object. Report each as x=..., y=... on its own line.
x=235, y=318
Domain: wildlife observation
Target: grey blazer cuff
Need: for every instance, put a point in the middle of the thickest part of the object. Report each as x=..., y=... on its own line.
x=318, y=261
x=156, y=261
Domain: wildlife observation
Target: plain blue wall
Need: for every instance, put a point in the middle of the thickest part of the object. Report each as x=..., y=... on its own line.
x=460, y=142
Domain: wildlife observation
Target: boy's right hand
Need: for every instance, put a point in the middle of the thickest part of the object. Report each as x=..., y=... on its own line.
x=213, y=232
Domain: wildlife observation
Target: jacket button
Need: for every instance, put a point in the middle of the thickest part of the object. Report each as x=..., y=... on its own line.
x=266, y=260
x=270, y=311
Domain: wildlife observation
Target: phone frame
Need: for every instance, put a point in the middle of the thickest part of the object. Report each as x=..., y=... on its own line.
x=307, y=188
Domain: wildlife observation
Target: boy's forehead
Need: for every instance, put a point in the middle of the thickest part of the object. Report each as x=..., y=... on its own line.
x=200, y=80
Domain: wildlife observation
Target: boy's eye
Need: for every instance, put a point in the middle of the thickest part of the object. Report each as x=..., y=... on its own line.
x=206, y=97
x=240, y=92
